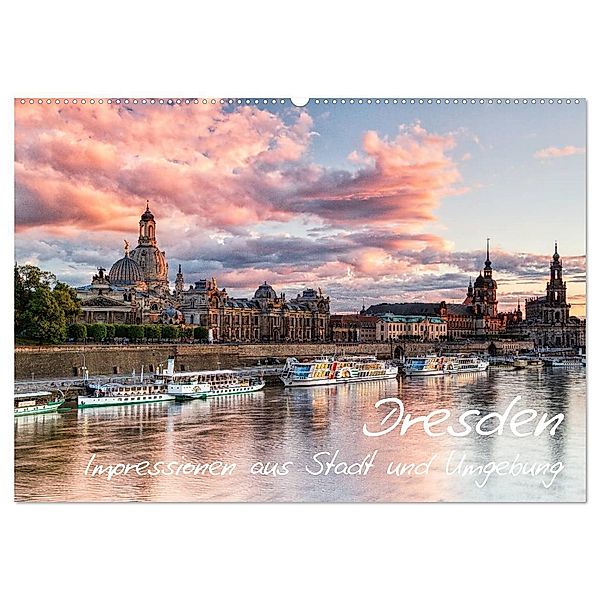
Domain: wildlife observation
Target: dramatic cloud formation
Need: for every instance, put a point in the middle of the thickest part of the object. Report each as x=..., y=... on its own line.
x=552, y=152
x=93, y=166
x=238, y=194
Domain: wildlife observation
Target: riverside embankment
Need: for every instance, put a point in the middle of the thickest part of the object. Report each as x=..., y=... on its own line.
x=44, y=362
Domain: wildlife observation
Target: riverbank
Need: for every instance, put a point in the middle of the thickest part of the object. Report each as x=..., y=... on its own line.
x=43, y=362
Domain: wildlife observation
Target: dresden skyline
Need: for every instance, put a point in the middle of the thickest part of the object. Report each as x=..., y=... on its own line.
x=381, y=202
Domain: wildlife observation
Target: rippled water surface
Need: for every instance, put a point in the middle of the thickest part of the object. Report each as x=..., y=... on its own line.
x=280, y=425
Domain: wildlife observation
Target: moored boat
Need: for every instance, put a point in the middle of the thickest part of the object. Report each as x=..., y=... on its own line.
x=333, y=370
x=208, y=384
x=429, y=365
x=528, y=362
x=36, y=403
x=566, y=362
x=187, y=385
x=116, y=394
x=218, y=383
x=465, y=364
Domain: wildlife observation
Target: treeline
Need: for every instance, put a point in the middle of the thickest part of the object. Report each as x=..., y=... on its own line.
x=101, y=332
x=43, y=306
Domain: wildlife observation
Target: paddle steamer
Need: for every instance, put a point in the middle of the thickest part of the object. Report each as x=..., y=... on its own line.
x=333, y=371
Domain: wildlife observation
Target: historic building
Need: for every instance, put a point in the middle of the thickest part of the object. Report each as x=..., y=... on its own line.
x=477, y=315
x=266, y=316
x=353, y=328
x=481, y=298
x=426, y=328
x=547, y=319
x=137, y=290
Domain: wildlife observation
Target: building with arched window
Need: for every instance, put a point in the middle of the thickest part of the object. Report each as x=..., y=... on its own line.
x=547, y=319
x=136, y=290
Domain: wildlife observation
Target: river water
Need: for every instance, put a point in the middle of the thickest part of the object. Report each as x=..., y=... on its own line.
x=290, y=426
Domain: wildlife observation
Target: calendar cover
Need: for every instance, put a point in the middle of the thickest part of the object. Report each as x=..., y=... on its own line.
x=319, y=300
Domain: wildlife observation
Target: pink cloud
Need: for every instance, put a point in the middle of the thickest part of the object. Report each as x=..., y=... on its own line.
x=219, y=168
x=210, y=171
x=553, y=152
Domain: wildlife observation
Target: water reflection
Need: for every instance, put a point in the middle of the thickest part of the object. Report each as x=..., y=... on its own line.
x=280, y=425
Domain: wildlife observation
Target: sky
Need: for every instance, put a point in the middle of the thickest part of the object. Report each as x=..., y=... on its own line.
x=370, y=201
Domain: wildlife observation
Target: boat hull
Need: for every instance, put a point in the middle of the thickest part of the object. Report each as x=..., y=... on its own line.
x=287, y=382
x=188, y=391
x=474, y=369
x=234, y=391
x=39, y=410
x=91, y=401
x=424, y=373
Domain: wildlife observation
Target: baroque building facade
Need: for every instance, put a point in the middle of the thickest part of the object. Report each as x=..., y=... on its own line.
x=353, y=328
x=477, y=315
x=547, y=318
x=136, y=290
x=266, y=317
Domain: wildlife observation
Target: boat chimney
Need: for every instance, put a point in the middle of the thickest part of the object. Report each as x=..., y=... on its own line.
x=170, y=366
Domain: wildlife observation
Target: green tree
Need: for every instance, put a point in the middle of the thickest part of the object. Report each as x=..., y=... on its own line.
x=43, y=306
x=44, y=320
x=110, y=332
x=122, y=331
x=67, y=299
x=136, y=332
x=152, y=332
x=28, y=281
x=78, y=331
x=168, y=332
x=200, y=333
x=97, y=331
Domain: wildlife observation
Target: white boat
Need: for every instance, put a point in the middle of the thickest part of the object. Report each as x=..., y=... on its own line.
x=36, y=403
x=566, y=362
x=187, y=385
x=465, y=364
x=332, y=371
x=116, y=394
x=207, y=384
x=215, y=383
x=425, y=365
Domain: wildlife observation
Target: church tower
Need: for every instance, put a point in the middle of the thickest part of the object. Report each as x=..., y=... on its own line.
x=468, y=301
x=149, y=257
x=556, y=309
x=147, y=228
x=179, y=283
x=484, y=290
x=487, y=270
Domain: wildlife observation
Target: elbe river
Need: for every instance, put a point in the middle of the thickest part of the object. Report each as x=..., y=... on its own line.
x=295, y=433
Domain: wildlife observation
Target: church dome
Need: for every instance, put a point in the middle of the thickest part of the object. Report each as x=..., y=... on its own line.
x=147, y=215
x=479, y=281
x=125, y=272
x=265, y=291
x=151, y=262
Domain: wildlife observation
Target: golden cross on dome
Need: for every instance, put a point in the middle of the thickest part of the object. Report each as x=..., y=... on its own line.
x=126, y=248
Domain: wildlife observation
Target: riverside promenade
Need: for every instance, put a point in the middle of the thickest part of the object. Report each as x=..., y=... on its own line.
x=71, y=360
